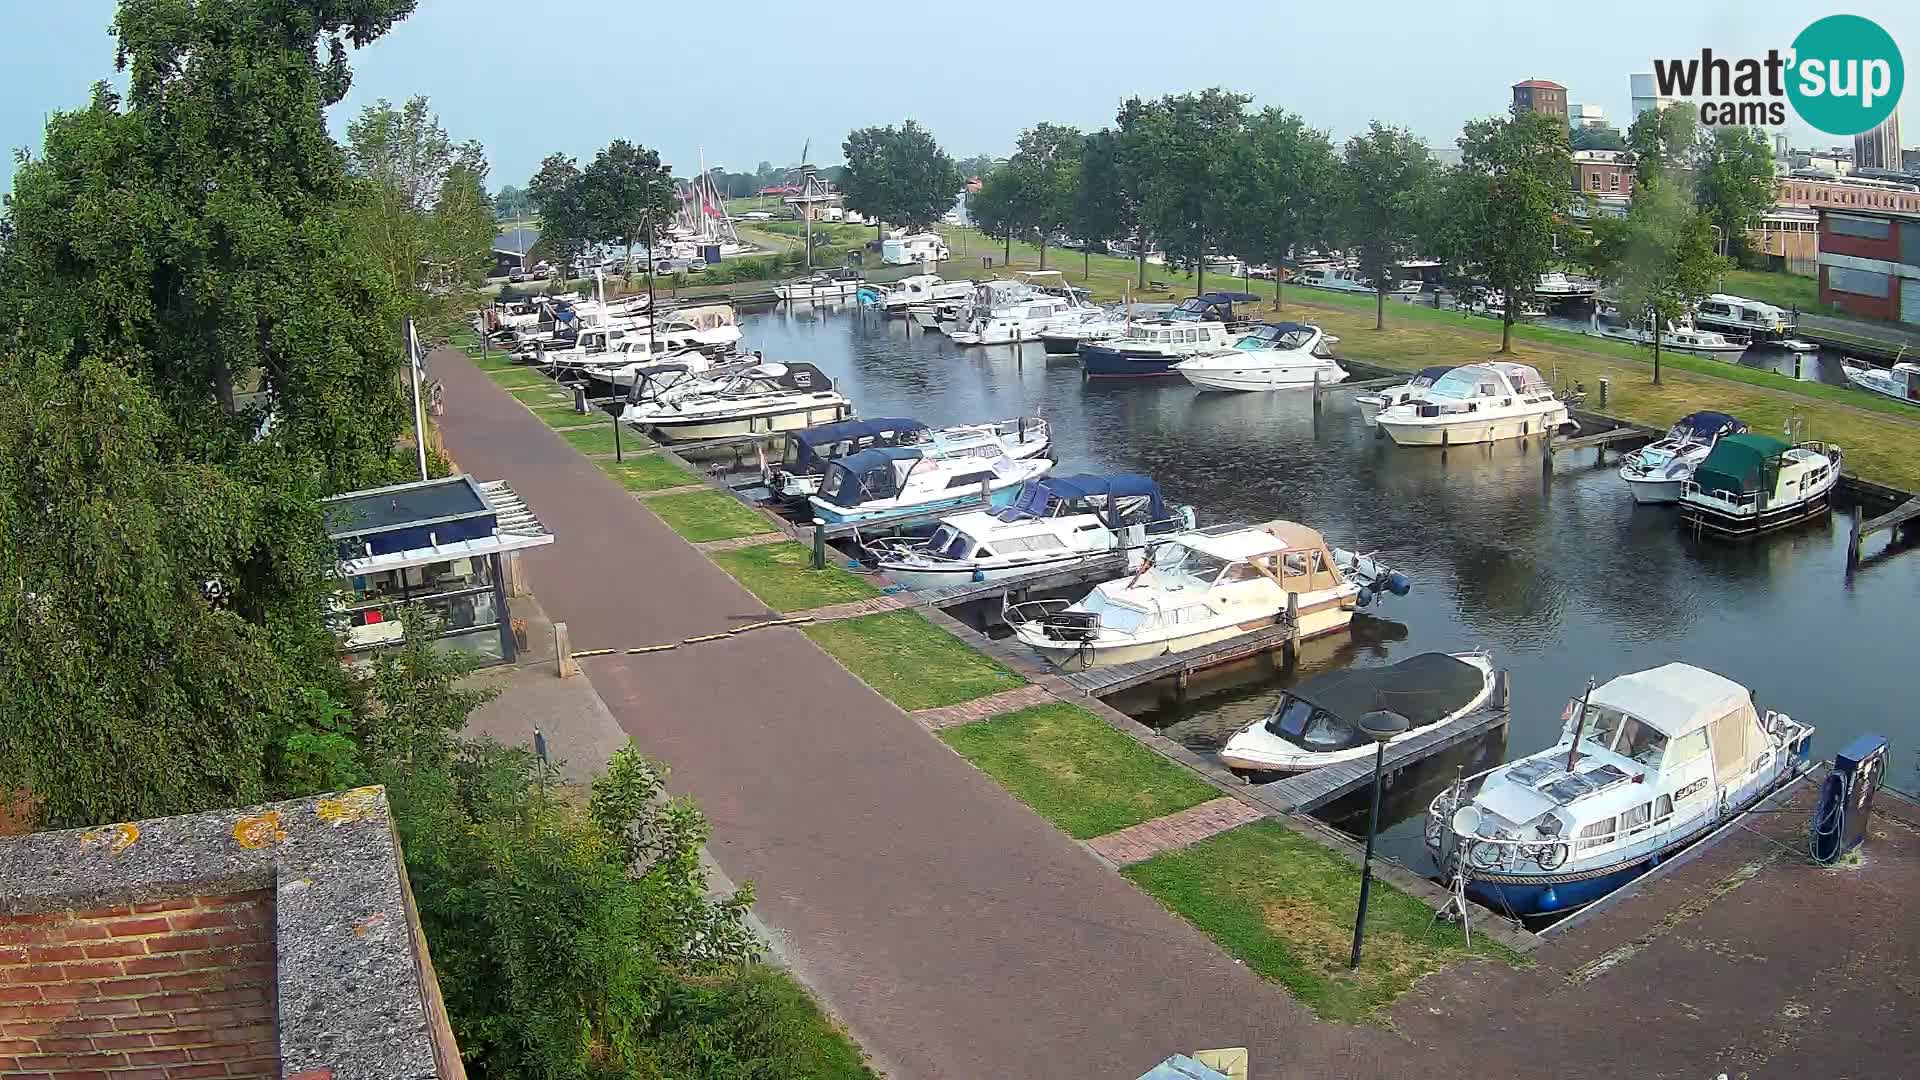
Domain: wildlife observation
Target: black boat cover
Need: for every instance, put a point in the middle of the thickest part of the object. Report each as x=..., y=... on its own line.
x=1425, y=689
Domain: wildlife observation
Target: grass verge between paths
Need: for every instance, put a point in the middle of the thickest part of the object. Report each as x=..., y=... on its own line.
x=1076, y=771
x=911, y=662
x=1284, y=904
x=646, y=472
x=518, y=377
x=599, y=440
x=700, y=516
x=563, y=416
x=781, y=575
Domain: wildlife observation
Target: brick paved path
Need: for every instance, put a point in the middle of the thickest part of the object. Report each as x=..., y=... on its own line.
x=968, y=712
x=1141, y=842
x=956, y=933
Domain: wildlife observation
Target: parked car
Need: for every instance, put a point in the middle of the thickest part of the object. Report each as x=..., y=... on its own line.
x=756, y=215
x=695, y=266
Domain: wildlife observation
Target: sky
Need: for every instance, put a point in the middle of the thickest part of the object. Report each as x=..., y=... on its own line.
x=756, y=81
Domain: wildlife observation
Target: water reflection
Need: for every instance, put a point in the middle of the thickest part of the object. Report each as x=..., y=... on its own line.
x=1558, y=574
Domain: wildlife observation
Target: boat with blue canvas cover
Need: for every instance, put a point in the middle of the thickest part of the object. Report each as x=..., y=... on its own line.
x=883, y=483
x=1646, y=764
x=1657, y=472
x=1052, y=522
x=809, y=452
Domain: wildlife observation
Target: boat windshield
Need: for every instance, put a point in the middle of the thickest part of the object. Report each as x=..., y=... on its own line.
x=1623, y=734
x=1114, y=615
x=1178, y=559
x=1461, y=384
x=949, y=543
x=1310, y=727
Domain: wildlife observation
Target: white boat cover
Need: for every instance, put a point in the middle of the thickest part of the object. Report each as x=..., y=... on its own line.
x=1675, y=698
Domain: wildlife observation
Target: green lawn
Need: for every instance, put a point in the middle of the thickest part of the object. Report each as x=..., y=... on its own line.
x=910, y=661
x=1777, y=288
x=708, y=515
x=599, y=440
x=761, y=1015
x=563, y=416
x=780, y=575
x=512, y=377
x=1076, y=771
x=1284, y=904
x=646, y=472
x=494, y=360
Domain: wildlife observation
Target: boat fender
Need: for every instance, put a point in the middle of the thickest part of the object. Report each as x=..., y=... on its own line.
x=1550, y=899
x=1364, y=599
x=979, y=575
x=1397, y=584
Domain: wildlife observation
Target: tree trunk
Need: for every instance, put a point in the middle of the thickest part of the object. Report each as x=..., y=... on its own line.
x=1656, y=351
x=1086, y=263
x=1140, y=253
x=1506, y=325
x=1276, y=287
x=1043, y=249
x=1379, y=308
x=1200, y=284
x=1009, y=259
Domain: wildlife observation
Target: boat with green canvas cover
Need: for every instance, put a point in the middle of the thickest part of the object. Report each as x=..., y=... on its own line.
x=1750, y=484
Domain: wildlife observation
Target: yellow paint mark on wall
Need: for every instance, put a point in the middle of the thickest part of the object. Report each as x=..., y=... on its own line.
x=256, y=831
x=354, y=805
x=116, y=838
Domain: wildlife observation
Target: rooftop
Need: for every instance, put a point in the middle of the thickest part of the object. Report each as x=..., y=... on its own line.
x=380, y=509
x=258, y=942
x=1540, y=84
x=517, y=240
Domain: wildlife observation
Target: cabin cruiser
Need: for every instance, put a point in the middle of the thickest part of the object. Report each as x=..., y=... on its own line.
x=1414, y=389
x=1052, y=522
x=1646, y=764
x=1741, y=314
x=1103, y=325
x=901, y=481
x=1680, y=339
x=921, y=289
x=1901, y=382
x=1655, y=473
x=831, y=285
x=1151, y=347
x=1197, y=589
x=1751, y=484
x=1044, y=307
x=1555, y=285
x=1279, y=356
x=1337, y=278
x=1318, y=722
x=761, y=398
x=810, y=452
x=1477, y=403
x=1493, y=305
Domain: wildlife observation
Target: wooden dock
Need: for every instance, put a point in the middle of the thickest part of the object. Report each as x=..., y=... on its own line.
x=1893, y=520
x=1102, y=681
x=1309, y=791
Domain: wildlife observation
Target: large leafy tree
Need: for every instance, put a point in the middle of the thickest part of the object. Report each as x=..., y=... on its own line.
x=419, y=205
x=1512, y=190
x=559, y=192
x=1280, y=176
x=899, y=175
x=1660, y=256
x=628, y=194
x=996, y=209
x=1101, y=209
x=1384, y=187
x=1046, y=168
x=1597, y=137
x=1733, y=180
x=1664, y=141
x=510, y=203
x=1179, y=148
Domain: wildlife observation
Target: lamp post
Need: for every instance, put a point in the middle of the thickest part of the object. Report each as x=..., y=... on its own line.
x=1382, y=726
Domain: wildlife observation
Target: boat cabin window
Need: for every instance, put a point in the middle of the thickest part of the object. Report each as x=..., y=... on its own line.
x=1601, y=724
x=1015, y=545
x=949, y=543
x=1685, y=748
x=1311, y=728
x=969, y=479
x=1192, y=613
x=1242, y=571
x=1598, y=834
x=1641, y=743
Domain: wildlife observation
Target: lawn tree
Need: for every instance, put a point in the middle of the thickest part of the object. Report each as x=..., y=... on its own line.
x=1279, y=174
x=1047, y=164
x=1179, y=147
x=628, y=194
x=419, y=206
x=559, y=192
x=1733, y=181
x=1598, y=137
x=996, y=208
x=1101, y=211
x=1664, y=141
x=1513, y=191
x=1133, y=167
x=1660, y=257
x=1384, y=186
x=899, y=175
x=510, y=203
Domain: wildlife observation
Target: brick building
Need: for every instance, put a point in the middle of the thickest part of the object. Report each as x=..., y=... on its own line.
x=1603, y=172
x=1870, y=263
x=1851, y=193
x=1541, y=96
x=255, y=944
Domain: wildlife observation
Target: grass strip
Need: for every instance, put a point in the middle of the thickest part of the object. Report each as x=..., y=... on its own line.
x=1076, y=771
x=512, y=377
x=562, y=416
x=911, y=662
x=599, y=440
x=646, y=472
x=1284, y=905
x=781, y=575
x=700, y=516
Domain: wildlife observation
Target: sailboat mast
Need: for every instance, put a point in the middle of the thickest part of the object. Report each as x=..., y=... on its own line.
x=1579, y=721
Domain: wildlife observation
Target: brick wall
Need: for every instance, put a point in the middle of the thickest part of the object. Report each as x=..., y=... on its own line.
x=159, y=991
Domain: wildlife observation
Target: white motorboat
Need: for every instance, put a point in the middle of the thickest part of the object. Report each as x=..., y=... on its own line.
x=833, y=285
x=1049, y=305
x=1052, y=522
x=1197, y=589
x=1743, y=315
x=1317, y=723
x=1680, y=339
x=1337, y=278
x=1477, y=403
x=1279, y=356
x=1555, y=285
x=900, y=481
x=1414, y=389
x=1750, y=484
x=809, y=453
x=922, y=289
x=1645, y=765
x=1657, y=472
x=762, y=398
x=1795, y=345
x=952, y=316
x=1900, y=382
x=1492, y=304
x=1092, y=326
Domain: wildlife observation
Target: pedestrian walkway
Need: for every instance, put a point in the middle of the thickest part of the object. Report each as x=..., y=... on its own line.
x=954, y=931
x=1138, y=843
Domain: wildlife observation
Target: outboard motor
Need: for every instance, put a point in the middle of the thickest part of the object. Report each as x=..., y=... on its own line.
x=1846, y=799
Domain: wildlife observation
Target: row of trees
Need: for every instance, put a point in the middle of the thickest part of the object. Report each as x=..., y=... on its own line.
x=201, y=295
x=624, y=196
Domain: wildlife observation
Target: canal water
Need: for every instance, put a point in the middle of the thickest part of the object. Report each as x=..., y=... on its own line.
x=1560, y=577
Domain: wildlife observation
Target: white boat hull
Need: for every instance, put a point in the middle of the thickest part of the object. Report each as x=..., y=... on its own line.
x=930, y=577
x=1457, y=430
x=1291, y=763
x=1279, y=377
x=1648, y=492
x=792, y=418
x=1093, y=654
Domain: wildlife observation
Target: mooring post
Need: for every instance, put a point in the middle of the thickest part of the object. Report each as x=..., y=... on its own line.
x=1854, y=540
x=1316, y=393
x=819, y=545
x=1293, y=625
x=563, y=652
x=580, y=398
x=1605, y=383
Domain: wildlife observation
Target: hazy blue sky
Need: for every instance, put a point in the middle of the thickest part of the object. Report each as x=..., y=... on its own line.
x=754, y=81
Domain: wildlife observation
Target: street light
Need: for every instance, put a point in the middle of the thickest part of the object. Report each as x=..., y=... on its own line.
x=1382, y=726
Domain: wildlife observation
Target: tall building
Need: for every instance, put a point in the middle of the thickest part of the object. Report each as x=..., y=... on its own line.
x=1879, y=148
x=1781, y=151
x=1646, y=94
x=1541, y=96
x=1587, y=116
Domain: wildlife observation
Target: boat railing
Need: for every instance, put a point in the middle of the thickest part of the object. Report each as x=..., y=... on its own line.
x=1740, y=500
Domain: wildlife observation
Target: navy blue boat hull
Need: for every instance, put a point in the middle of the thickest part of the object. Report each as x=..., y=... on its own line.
x=1107, y=362
x=1525, y=900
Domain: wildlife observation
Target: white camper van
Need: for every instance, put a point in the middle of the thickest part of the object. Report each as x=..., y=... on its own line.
x=907, y=250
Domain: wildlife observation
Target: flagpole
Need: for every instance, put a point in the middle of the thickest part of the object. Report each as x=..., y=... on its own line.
x=419, y=413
